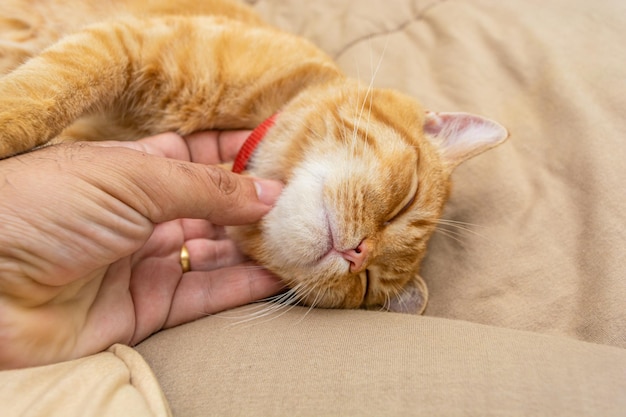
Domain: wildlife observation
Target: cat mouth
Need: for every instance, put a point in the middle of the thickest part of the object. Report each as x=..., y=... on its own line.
x=328, y=253
x=333, y=256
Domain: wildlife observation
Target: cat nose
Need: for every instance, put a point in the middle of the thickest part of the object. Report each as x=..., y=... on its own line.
x=357, y=257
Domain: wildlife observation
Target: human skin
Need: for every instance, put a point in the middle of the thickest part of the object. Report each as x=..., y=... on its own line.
x=90, y=241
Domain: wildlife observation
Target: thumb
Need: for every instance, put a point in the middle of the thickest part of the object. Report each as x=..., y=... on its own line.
x=164, y=189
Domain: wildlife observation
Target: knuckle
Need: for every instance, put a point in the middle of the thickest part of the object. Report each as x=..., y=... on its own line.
x=224, y=181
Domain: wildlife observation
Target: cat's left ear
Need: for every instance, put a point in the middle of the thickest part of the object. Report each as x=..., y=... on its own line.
x=412, y=299
x=460, y=136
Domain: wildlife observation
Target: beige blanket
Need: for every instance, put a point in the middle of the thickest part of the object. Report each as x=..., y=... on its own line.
x=542, y=241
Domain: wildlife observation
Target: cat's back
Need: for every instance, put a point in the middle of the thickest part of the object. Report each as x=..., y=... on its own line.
x=29, y=26
x=149, y=72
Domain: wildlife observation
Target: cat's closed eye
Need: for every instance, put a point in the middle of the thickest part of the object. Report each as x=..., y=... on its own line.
x=406, y=203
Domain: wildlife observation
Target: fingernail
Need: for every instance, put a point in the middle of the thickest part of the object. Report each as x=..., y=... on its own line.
x=268, y=191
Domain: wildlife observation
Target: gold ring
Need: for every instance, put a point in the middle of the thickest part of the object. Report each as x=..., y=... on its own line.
x=184, y=259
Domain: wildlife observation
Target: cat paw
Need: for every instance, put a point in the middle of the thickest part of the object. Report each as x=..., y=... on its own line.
x=12, y=141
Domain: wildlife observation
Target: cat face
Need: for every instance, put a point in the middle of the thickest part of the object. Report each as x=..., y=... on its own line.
x=366, y=179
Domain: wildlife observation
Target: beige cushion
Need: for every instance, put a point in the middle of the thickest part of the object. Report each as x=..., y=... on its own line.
x=359, y=363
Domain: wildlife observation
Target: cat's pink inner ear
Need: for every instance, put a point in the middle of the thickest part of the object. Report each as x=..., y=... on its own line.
x=460, y=136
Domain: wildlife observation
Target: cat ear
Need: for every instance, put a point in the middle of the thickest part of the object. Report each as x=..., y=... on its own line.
x=413, y=298
x=460, y=136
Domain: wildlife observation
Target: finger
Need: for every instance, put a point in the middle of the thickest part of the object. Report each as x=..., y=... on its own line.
x=167, y=145
x=208, y=255
x=202, y=293
x=201, y=229
x=205, y=147
x=215, y=147
x=164, y=189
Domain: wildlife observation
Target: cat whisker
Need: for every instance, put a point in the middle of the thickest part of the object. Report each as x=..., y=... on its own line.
x=285, y=302
x=270, y=301
x=271, y=310
x=240, y=313
x=368, y=94
x=318, y=296
x=397, y=293
x=459, y=227
x=455, y=222
x=385, y=306
x=298, y=297
x=374, y=73
x=451, y=235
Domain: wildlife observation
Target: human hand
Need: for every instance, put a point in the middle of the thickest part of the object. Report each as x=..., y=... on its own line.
x=91, y=235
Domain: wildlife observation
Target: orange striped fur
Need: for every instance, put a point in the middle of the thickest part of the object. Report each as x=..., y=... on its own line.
x=366, y=170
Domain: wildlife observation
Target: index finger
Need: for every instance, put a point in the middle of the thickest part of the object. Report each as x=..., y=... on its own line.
x=163, y=189
x=209, y=147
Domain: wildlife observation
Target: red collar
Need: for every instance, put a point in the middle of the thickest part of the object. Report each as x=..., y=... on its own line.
x=241, y=161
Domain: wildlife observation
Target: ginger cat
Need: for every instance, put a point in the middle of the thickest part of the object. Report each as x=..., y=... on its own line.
x=367, y=171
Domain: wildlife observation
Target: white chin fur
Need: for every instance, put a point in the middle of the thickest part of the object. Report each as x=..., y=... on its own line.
x=297, y=228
